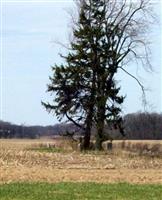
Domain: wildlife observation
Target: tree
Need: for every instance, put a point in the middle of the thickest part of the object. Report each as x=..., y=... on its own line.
x=107, y=36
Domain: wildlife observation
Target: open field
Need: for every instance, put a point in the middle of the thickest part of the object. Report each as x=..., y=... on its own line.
x=21, y=160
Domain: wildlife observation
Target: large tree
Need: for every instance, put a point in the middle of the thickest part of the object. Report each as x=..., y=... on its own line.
x=106, y=36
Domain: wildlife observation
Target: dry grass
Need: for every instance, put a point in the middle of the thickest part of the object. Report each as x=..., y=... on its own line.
x=152, y=148
x=18, y=162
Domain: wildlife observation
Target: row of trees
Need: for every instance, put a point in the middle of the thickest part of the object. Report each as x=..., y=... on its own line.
x=9, y=130
x=107, y=36
x=143, y=126
x=137, y=126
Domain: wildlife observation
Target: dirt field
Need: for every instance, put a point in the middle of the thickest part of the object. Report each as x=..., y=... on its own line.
x=20, y=162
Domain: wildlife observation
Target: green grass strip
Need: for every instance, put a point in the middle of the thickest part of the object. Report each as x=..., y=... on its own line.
x=47, y=149
x=79, y=191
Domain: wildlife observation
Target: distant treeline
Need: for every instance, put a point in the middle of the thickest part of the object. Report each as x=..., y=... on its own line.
x=137, y=126
x=9, y=130
x=143, y=126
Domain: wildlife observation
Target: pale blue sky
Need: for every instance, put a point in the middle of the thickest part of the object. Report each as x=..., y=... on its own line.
x=28, y=30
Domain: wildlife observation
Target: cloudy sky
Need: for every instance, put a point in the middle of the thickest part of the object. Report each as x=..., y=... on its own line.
x=28, y=49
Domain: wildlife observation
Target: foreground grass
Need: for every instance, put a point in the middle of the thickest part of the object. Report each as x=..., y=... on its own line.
x=79, y=191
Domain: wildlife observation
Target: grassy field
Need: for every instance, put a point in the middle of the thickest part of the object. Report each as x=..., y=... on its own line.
x=79, y=191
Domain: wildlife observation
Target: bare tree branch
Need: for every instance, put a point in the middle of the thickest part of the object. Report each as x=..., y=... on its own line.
x=73, y=121
x=140, y=84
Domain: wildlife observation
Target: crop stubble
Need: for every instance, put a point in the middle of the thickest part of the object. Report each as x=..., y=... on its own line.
x=18, y=163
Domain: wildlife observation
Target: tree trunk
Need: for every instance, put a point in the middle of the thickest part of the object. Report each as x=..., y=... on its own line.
x=89, y=120
x=86, y=139
x=100, y=123
x=98, y=144
x=99, y=136
x=87, y=133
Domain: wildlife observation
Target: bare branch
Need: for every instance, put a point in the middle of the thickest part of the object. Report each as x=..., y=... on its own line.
x=70, y=119
x=127, y=22
x=139, y=83
x=63, y=45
